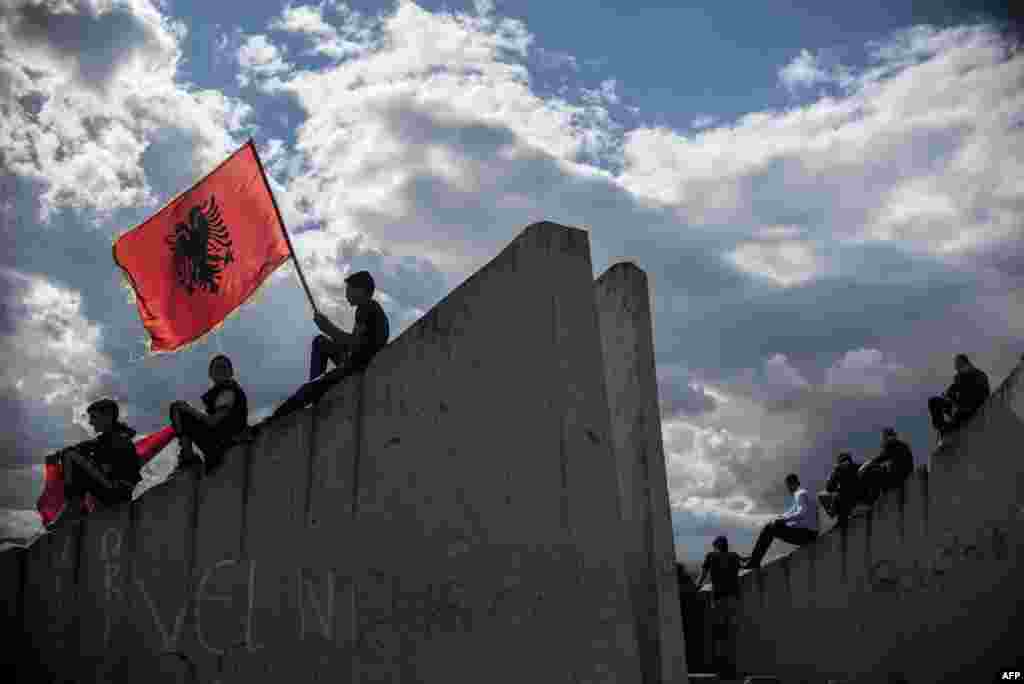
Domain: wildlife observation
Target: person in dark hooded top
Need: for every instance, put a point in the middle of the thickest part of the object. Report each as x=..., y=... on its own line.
x=961, y=400
x=106, y=467
x=225, y=418
x=842, y=492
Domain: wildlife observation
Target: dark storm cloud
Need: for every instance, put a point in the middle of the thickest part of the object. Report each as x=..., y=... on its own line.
x=821, y=319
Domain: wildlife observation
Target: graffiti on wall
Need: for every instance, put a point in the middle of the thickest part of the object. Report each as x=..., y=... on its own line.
x=930, y=574
x=346, y=610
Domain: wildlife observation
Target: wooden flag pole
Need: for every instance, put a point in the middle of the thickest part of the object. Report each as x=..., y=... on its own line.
x=284, y=230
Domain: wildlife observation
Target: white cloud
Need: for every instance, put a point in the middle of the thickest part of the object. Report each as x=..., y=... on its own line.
x=918, y=152
x=353, y=35
x=603, y=94
x=258, y=57
x=862, y=371
x=781, y=376
x=805, y=71
x=787, y=262
x=52, y=356
x=87, y=100
x=424, y=96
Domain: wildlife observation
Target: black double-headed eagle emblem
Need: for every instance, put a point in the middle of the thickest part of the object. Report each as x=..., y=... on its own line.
x=201, y=247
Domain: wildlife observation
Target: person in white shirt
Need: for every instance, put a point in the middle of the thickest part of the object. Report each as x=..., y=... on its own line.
x=798, y=525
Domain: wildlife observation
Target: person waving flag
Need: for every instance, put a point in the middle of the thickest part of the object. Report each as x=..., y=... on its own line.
x=203, y=255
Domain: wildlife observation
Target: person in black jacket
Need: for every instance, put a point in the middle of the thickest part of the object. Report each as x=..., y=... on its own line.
x=350, y=352
x=964, y=397
x=225, y=418
x=842, y=490
x=106, y=467
x=887, y=470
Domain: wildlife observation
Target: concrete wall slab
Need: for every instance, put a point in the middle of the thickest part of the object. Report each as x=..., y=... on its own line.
x=623, y=305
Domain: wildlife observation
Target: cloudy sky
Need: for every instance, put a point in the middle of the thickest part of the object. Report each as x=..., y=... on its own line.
x=828, y=201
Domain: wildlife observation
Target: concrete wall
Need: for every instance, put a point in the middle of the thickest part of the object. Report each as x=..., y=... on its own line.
x=623, y=305
x=442, y=518
x=926, y=586
x=12, y=565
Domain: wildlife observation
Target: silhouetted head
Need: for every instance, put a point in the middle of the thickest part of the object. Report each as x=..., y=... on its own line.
x=961, y=363
x=888, y=435
x=792, y=482
x=221, y=368
x=720, y=543
x=844, y=457
x=103, y=415
x=359, y=288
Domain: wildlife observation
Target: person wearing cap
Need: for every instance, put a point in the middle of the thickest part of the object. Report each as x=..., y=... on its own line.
x=723, y=566
x=226, y=416
x=964, y=397
x=842, y=489
x=106, y=467
x=887, y=470
x=350, y=352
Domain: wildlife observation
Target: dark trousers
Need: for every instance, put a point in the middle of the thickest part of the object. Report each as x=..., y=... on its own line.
x=945, y=417
x=83, y=476
x=837, y=505
x=208, y=439
x=324, y=349
x=798, y=536
x=877, y=479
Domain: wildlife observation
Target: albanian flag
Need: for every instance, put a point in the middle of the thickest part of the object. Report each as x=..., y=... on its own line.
x=204, y=254
x=51, y=501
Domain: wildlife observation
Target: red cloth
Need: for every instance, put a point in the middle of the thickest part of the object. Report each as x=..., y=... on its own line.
x=203, y=255
x=51, y=501
x=149, y=446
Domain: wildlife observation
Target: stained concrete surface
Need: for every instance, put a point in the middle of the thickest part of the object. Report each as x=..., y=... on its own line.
x=444, y=517
x=924, y=586
x=623, y=305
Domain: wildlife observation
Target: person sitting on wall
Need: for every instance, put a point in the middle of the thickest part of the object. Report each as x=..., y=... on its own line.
x=798, y=525
x=723, y=566
x=350, y=352
x=842, y=490
x=106, y=467
x=887, y=470
x=964, y=397
x=226, y=416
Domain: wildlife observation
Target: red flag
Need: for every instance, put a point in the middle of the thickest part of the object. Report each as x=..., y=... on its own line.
x=149, y=446
x=51, y=501
x=204, y=254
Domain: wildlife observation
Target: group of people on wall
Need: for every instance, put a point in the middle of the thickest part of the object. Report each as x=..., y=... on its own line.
x=108, y=468
x=849, y=485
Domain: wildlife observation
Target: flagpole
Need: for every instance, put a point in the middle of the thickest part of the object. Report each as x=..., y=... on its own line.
x=284, y=230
